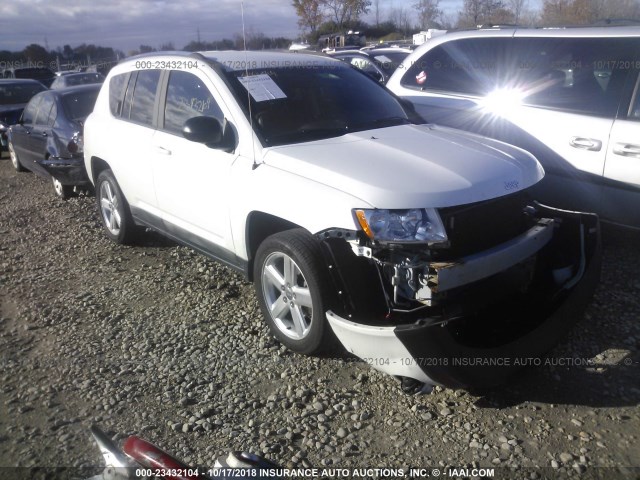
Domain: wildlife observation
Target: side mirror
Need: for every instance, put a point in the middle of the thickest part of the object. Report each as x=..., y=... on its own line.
x=202, y=130
x=209, y=131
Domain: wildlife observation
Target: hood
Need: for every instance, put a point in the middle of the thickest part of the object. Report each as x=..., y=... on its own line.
x=411, y=166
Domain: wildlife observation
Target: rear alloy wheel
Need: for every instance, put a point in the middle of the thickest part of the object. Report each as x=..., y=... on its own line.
x=114, y=209
x=15, y=161
x=292, y=285
x=62, y=191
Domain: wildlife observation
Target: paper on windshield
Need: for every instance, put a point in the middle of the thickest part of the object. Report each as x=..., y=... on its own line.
x=262, y=87
x=383, y=59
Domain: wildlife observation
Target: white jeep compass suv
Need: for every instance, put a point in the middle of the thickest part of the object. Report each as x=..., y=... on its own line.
x=417, y=246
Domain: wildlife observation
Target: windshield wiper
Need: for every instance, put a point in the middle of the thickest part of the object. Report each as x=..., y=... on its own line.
x=380, y=123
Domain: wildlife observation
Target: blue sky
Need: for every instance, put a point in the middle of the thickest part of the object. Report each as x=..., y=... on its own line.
x=127, y=24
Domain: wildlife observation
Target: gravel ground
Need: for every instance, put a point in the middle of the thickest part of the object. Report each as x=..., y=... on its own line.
x=159, y=341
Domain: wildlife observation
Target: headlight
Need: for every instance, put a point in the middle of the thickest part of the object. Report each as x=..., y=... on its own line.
x=3, y=127
x=418, y=225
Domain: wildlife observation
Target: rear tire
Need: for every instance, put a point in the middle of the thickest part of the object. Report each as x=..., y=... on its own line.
x=293, y=289
x=15, y=160
x=114, y=209
x=62, y=191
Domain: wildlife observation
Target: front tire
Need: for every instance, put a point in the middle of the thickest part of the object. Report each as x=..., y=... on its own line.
x=293, y=289
x=114, y=209
x=15, y=161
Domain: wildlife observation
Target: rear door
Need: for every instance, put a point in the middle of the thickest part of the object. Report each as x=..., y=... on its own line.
x=132, y=99
x=622, y=169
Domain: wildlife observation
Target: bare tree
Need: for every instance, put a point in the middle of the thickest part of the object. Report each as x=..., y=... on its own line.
x=400, y=17
x=310, y=14
x=343, y=12
x=518, y=8
x=478, y=12
x=429, y=13
x=376, y=9
x=581, y=12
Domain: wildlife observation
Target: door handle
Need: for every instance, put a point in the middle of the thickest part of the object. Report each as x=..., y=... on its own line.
x=162, y=150
x=627, y=149
x=583, y=143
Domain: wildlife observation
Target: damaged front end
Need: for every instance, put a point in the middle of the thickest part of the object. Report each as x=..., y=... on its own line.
x=500, y=288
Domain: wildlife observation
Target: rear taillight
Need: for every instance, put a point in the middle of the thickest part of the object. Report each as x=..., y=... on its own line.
x=76, y=144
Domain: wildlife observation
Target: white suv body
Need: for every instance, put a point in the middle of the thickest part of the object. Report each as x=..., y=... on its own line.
x=313, y=181
x=570, y=96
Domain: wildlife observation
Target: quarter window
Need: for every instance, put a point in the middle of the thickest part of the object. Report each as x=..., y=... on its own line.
x=187, y=97
x=117, y=86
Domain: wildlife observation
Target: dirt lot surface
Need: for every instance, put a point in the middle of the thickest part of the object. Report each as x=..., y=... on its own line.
x=158, y=341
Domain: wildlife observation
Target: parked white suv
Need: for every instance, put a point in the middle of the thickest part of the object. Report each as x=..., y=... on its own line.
x=570, y=96
x=418, y=245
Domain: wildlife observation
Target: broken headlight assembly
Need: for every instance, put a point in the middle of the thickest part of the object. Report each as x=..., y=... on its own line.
x=417, y=225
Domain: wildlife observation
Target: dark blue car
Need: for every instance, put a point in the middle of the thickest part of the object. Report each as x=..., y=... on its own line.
x=14, y=95
x=48, y=138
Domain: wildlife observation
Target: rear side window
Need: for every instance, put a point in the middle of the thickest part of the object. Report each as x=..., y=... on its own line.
x=144, y=95
x=634, y=109
x=583, y=75
x=187, y=97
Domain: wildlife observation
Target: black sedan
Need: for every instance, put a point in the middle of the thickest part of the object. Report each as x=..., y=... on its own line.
x=14, y=95
x=48, y=138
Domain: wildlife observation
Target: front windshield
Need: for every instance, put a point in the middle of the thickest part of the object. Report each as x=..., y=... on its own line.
x=299, y=104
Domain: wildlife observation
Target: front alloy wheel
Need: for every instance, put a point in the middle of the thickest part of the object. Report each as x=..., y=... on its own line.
x=287, y=294
x=293, y=289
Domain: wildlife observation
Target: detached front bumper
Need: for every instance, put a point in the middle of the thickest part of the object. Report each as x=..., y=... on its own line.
x=68, y=171
x=484, y=346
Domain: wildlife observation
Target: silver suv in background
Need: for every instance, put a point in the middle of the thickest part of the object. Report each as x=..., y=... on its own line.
x=570, y=96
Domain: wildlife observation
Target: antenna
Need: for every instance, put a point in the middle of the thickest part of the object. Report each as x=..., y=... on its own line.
x=246, y=70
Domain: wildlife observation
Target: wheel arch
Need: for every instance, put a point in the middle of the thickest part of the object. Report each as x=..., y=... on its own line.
x=98, y=165
x=259, y=226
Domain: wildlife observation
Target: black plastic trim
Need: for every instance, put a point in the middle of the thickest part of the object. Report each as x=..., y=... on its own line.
x=182, y=236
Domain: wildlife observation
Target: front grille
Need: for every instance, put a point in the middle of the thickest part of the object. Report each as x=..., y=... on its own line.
x=478, y=226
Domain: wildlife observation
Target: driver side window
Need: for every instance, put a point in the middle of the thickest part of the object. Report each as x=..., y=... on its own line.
x=187, y=97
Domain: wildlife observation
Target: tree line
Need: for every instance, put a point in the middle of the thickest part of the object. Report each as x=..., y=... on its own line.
x=316, y=17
